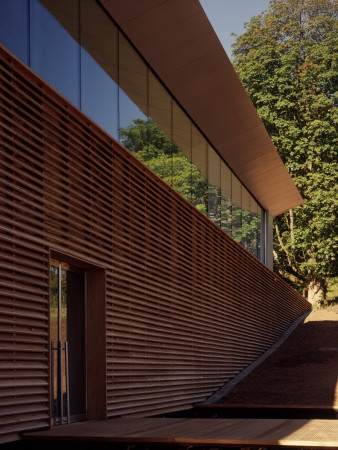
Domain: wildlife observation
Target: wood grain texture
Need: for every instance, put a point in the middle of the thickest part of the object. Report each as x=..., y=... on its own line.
x=186, y=307
x=232, y=432
x=96, y=344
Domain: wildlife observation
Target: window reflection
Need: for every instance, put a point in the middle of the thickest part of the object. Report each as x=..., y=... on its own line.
x=236, y=190
x=199, y=171
x=160, y=105
x=99, y=67
x=14, y=27
x=146, y=140
x=54, y=47
x=248, y=229
x=226, y=207
x=260, y=240
x=160, y=130
x=133, y=85
x=77, y=48
x=182, y=166
x=256, y=223
x=214, y=186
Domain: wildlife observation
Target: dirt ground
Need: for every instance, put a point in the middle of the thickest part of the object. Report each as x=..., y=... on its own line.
x=303, y=371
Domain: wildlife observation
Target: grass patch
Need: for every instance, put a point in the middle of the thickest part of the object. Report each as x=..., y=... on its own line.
x=332, y=292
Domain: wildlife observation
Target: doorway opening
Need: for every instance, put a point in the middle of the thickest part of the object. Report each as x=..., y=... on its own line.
x=68, y=342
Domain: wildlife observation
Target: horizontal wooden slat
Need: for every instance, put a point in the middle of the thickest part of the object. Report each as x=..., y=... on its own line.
x=187, y=308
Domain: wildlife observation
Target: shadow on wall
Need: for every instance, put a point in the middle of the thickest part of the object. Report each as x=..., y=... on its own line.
x=302, y=372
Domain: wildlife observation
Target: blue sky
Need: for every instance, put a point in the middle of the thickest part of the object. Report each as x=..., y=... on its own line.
x=228, y=16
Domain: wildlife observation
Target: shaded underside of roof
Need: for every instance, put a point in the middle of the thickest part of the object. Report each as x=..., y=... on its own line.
x=178, y=42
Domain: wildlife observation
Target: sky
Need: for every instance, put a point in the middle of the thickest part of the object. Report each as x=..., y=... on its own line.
x=228, y=16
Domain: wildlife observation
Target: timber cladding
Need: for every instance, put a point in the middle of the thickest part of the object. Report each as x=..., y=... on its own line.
x=186, y=308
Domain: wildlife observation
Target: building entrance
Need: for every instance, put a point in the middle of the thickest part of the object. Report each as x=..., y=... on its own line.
x=68, y=343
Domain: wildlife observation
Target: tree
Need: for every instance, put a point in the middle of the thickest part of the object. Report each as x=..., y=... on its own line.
x=146, y=140
x=288, y=61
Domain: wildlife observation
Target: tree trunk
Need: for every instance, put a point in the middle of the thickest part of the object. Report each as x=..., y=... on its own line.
x=315, y=292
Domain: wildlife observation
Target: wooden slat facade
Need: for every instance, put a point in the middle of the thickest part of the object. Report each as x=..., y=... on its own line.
x=186, y=307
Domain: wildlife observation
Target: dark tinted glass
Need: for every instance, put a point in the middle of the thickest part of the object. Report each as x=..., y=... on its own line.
x=54, y=49
x=199, y=171
x=226, y=210
x=160, y=147
x=181, y=152
x=14, y=27
x=99, y=70
x=248, y=225
x=214, y=186
x=236, y=190
x=133, y=98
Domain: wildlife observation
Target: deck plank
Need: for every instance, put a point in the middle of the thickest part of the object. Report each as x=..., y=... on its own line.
x=236, y=432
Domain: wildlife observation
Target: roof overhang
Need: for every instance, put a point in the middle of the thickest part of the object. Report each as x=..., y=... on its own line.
x=177, y=40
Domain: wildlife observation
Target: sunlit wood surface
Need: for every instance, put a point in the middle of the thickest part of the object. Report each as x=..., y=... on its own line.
x=182, y=431
x=175, y=307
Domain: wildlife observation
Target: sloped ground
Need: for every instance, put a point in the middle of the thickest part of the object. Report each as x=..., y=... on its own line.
x=303, y=371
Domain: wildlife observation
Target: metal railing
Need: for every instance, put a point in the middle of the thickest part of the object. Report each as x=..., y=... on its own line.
x=59, y=415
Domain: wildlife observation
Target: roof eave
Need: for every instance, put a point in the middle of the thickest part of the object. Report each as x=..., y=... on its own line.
x=178, y=42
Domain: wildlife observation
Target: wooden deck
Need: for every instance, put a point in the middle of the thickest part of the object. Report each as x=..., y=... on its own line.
x=208, y=432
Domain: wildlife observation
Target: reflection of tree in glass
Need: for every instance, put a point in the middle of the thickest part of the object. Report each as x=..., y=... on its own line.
x=153, y=147
x=214, y=204
x=226, y=215
x=165, y=158
x=237, y=223
x=250, y=232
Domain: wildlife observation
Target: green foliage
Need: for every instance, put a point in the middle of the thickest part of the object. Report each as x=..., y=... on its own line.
x=288, y=61
x=147, y=140
x=152, y=146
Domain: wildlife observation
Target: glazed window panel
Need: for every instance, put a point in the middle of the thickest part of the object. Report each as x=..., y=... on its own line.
x=199, y=171
x=226, y=206
x=248, y=225
x=99, y=67
x=159, y=157
x=256, y=225
x=14, y=27
x=55, y=48
x=260, y=234
x=133, y=98
x=236, y=189
x=181, y=152
x=214, y=186
x=113, y=85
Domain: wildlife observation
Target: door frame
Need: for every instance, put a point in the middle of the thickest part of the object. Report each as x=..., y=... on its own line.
x=95, y=335
x=63, y=362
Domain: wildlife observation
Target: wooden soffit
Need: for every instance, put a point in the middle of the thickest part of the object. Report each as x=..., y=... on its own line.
x=177, y=40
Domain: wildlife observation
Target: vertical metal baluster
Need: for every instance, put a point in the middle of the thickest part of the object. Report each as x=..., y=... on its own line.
x=57, y=406
x=59, y=302
x=60, y=343
x=60, y=381
x=67, y=381
x=52, y=382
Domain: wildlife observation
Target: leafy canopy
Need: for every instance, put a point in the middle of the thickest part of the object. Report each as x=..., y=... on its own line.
x=288, y=61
